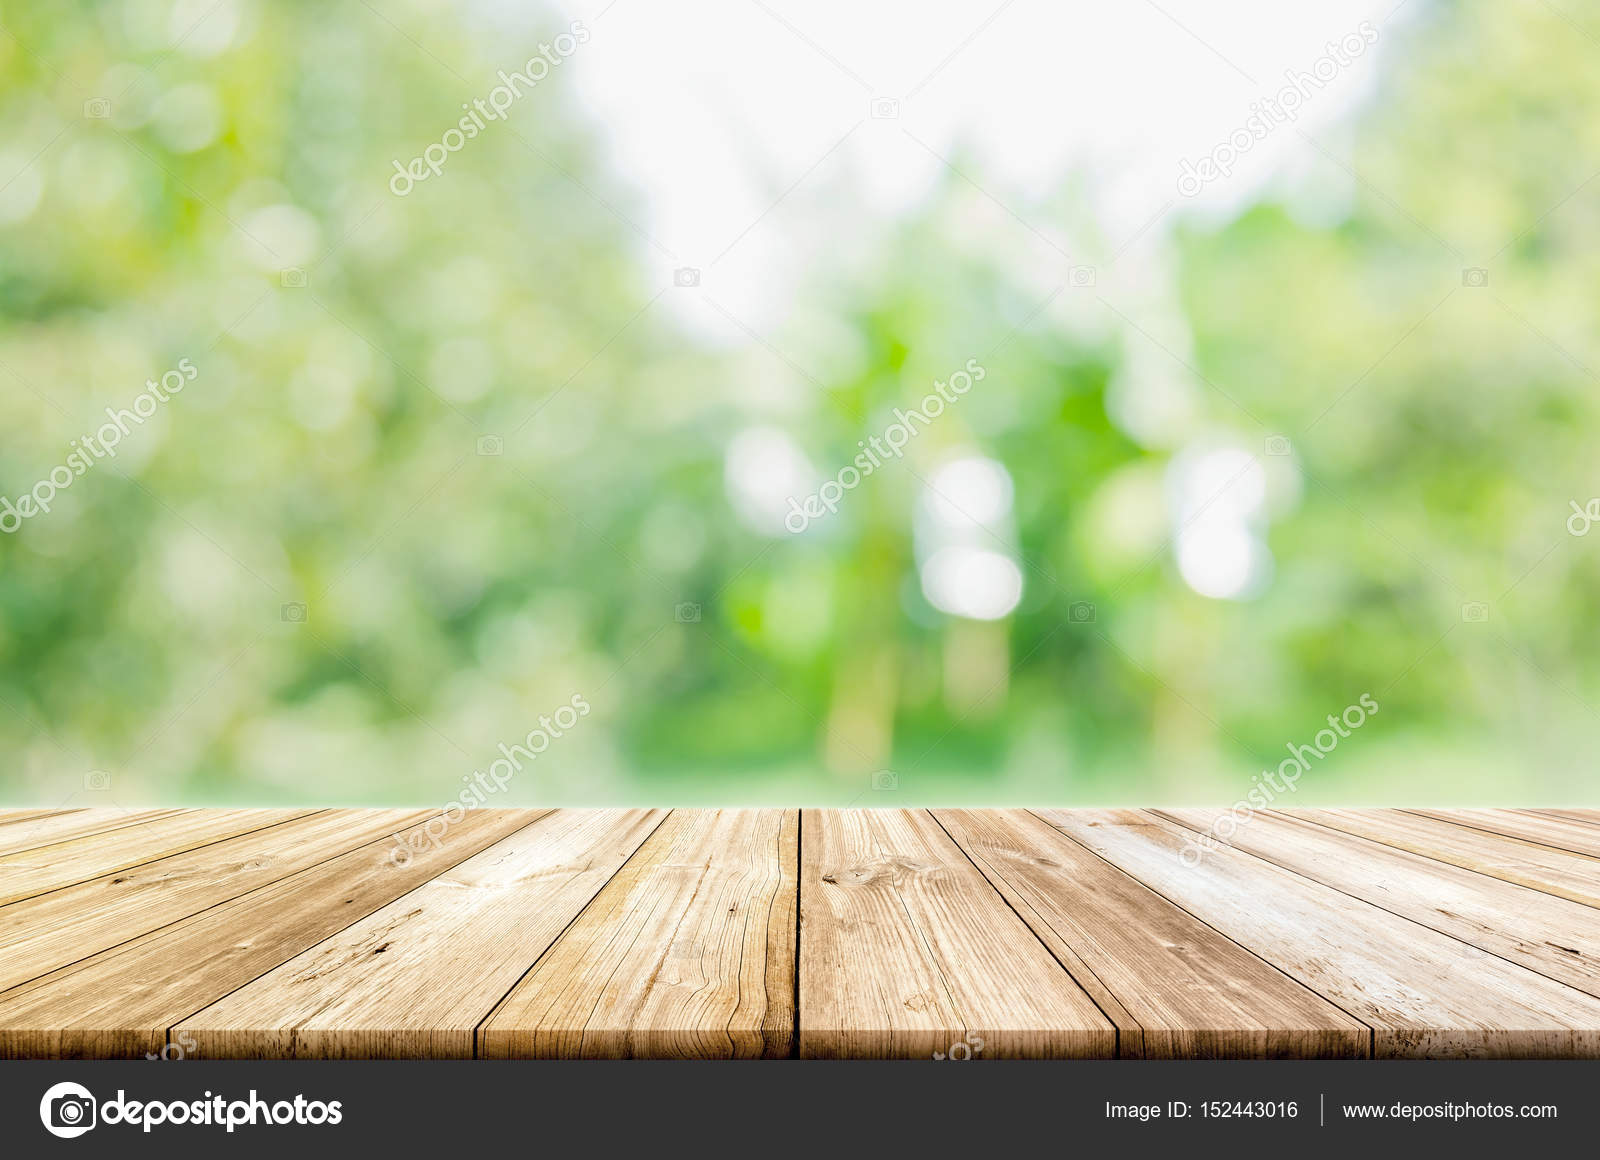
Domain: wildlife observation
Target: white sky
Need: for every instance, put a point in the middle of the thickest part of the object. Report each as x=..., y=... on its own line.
x=726, y=114
x=748, y=126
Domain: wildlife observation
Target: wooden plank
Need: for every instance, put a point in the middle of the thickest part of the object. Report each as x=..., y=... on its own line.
x=40, y=934
x=1130, y=1032
x=1418, y=989
x=120, y=1002
x=688, y=953
x=8, y=816
x=1558, y=938
x=907, y=951
x=1555, y=872
x=64, y=863
x=921, y=932
x=415, y=978
x=1588, y=817
x=1188, y=990
x=28, y=833
x=1560, y=833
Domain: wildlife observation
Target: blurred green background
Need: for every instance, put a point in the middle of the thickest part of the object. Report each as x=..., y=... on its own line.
x=461, y=474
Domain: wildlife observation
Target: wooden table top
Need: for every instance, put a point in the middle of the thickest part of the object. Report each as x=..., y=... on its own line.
x=232, y=933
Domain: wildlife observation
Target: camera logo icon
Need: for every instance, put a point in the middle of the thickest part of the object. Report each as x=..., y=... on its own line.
x=1081, y=275
x=885, y=779
x=491, y=445
x=1475, y=612
x=885, y=109
x=96, y=780
x=686, y=276
x=68, y=1110
x=1080, y=612
x=686, y=613
x=1474, y=276
x=1278, y=445
x=293, y=278
x=96, y=109
x=293, y=613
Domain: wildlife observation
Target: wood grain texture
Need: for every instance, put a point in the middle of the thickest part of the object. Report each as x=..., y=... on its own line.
x=907, y=951
x=40, y=934
x=688, y=953
x=388, y=933
x=65, y=862
x=1186, y=990
x=119, y=1003
x=1420, y=991
x=33, y=829
x=1587, y=817
x=1554, y=936
x=1557, y=833
x=1558, y=872
x=7, y=816
x=415, y=978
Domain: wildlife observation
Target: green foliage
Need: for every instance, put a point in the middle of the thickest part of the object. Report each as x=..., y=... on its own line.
x=328, y=453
